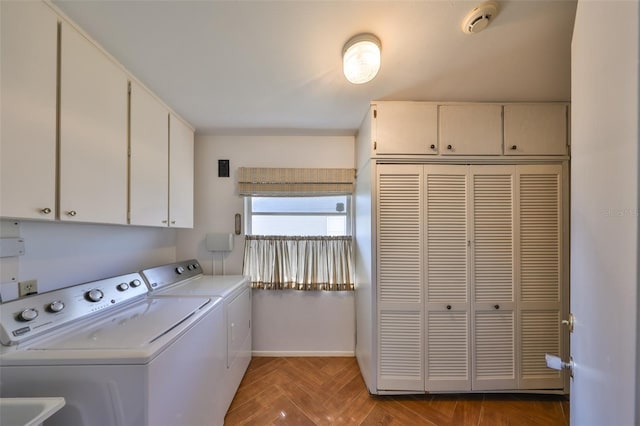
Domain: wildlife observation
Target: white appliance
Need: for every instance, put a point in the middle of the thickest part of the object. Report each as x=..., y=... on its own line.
x=186, y=279
x=117, y=356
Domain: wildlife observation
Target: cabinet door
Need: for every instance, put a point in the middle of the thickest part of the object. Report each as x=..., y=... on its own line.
x=28, y=110
x=470, y=129
x=93, y=133
x=180, y=174
x=399, y=278
x=448, y=366
x=535, y=129
x=540, y=273
x=239, y=327
x=492, y=277
x=406, y=128
x=149, y=159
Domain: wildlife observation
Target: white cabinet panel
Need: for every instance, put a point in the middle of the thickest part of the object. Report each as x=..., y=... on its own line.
x=149, y=159
x=28, y=108
x=540, y=273
x=400, y=289
x=180, y=174
x=470, y=129
x=93, y=133
x=492, y=278
x=447, y=304
x=535, y=129
x=406, y=128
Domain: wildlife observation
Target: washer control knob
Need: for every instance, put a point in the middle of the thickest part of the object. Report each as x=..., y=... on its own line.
x=123, y=287
x=180, y=270
x=191, y=267
x=56, y=306
x=28, y=314
x=135, y=283
x=94, y=295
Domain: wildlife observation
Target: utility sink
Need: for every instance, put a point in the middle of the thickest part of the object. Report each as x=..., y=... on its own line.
x=28, y=411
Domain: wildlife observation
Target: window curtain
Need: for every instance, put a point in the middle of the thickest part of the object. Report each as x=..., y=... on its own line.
x=291, y=182
x=299, y=263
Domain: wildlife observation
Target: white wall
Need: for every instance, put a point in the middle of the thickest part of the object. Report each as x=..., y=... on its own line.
x=62, y=254
x=604, y=213
x=288, y=321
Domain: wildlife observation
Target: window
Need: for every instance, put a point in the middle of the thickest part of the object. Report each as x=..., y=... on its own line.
x=298, y=216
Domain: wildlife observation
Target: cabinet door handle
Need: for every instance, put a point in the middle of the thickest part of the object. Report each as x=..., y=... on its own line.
x=46, y=210
x=173, y=222
x=496, y=306
x=164, y=221
x=449, y=307
x=72, y=213
x=433, y=146
x=514, y=147
x=449, y=147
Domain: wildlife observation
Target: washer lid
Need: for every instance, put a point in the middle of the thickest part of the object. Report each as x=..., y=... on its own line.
x=206, y=286
x=136, y=327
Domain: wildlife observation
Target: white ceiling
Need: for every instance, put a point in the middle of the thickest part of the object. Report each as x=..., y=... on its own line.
x=274, y=67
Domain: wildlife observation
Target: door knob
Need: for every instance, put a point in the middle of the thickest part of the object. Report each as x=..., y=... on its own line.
x=570, y=322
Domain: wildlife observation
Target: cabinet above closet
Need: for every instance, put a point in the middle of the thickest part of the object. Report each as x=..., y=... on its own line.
x=399, y=129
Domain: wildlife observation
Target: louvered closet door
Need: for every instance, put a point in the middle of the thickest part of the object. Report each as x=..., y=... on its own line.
x=447, y=279
x=492, y=277
x=540, y=273
x=399, y=277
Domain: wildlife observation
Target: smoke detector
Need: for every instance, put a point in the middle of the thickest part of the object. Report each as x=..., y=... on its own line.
x=479, y=17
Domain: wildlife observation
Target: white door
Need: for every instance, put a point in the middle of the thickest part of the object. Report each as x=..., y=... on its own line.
x=604, y=214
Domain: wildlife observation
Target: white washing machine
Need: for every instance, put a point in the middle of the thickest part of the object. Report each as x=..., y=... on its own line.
x=117, y=356
x=186, y=279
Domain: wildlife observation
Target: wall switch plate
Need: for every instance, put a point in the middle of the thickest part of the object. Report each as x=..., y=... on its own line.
x=27, y=288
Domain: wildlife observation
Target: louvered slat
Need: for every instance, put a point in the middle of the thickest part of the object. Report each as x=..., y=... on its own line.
x=448, y=346
x=399, y=238
x=494, y=346
x=493, y=237
x=400, y=345
x=447, y=238
x=540, y=333
x=539, y=238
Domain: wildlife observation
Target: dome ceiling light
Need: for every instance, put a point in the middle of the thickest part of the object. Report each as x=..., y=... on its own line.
x=479, y=17
x=361, y=58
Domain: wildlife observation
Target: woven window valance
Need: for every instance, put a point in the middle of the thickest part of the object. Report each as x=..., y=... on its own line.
x=265, y=181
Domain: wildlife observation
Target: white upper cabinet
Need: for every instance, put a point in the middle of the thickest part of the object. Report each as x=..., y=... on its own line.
x=470, y=129
x=535, y=129
x=28, y=105
x=405, y=128
x=180, y=174
x=149, y=159
x=93, y=133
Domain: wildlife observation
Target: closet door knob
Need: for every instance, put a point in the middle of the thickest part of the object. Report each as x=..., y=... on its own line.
x=46, y=210
x=496, y=306
x=449, y=307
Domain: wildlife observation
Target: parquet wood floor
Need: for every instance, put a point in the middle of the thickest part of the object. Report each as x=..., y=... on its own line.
x=330, y=391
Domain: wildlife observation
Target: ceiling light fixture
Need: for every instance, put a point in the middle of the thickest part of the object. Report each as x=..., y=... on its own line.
x=361, y=58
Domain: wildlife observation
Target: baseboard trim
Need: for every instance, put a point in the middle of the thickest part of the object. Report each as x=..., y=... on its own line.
x=303, y=353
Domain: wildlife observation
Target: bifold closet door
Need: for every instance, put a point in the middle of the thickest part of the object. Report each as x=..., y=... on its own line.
x=400, y=277
x=446, y=263
x=540, y=273
x=493, y=313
